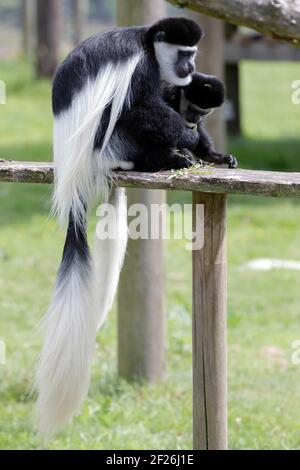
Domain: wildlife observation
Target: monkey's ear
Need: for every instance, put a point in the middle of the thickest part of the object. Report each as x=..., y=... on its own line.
x=159, y=36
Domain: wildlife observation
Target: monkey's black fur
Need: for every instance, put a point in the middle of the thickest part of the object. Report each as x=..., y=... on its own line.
x=204, y=93
x=178, y=31
x=76, y=249
x=149, y=130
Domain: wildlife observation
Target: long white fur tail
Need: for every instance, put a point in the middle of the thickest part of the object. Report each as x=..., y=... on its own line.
x=69, y=329
x=83, y=296
x=71, y=322
x=109, y=252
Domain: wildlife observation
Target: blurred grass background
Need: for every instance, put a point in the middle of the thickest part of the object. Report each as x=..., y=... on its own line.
x=263, y=307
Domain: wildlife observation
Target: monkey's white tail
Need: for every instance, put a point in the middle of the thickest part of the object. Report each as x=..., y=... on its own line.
x=83, y=296
x=109, y=251
x=69, y=328
x=71, y=322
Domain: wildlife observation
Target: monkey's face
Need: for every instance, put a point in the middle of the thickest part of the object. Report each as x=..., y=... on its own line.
x=205, y=91
x=201, y=96
x=176, y=63
x=191, y=112
x=175, y=45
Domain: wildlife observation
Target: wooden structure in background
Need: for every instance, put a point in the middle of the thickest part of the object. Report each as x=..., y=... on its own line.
x=48, y=36
x=28, y=27
x=79, y=11
x=277, y=18
x=212, y=62
x=209, y=188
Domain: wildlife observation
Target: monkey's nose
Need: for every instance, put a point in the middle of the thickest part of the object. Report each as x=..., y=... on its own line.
x=191, y=67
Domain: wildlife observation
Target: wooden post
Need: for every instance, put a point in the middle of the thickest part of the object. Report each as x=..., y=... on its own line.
x=209, y=326
x=141, y=319
x=48, y=36
x=232, y=88
x=28, y=27
x=139, y=12
x=79, y=19
x=141, y=312
x=211, y=60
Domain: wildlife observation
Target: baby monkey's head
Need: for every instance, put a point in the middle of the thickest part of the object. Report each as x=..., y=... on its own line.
x=198, y=99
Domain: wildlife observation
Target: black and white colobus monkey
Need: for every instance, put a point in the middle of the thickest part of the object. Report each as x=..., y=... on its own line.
x=194, y=102
x=106, y=97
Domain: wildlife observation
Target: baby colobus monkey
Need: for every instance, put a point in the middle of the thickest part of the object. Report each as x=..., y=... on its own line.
x=194, y=102
x=106, y=97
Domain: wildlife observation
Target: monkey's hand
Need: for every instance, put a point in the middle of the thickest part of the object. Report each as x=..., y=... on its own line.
x=180, y=159
x=189, y=139
x=231, y=161
x=220, y=159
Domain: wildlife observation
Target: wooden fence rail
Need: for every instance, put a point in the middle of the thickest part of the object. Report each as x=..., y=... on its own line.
x=207, y=180
x=210, y=187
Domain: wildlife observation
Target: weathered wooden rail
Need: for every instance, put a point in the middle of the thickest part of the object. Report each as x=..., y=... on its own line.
x=208, y=179
x=210, y=187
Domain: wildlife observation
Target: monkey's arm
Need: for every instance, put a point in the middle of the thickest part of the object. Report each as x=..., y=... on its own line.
x=205, y=150
x=156, y=122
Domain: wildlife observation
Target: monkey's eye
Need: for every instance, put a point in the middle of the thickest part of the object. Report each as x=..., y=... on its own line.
x=159, y=36
x=186, y=54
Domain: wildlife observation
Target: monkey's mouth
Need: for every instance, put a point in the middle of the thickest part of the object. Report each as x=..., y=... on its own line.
x=194, y=113
x=184, y=74
x=205, y=112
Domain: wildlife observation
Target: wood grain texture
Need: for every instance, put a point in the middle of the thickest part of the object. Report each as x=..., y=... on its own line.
x=208, y=179
x=278, y=18
x=209, y=325
x=25, y=172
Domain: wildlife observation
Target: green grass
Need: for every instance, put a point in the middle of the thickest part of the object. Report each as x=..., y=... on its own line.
x=263, y=307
